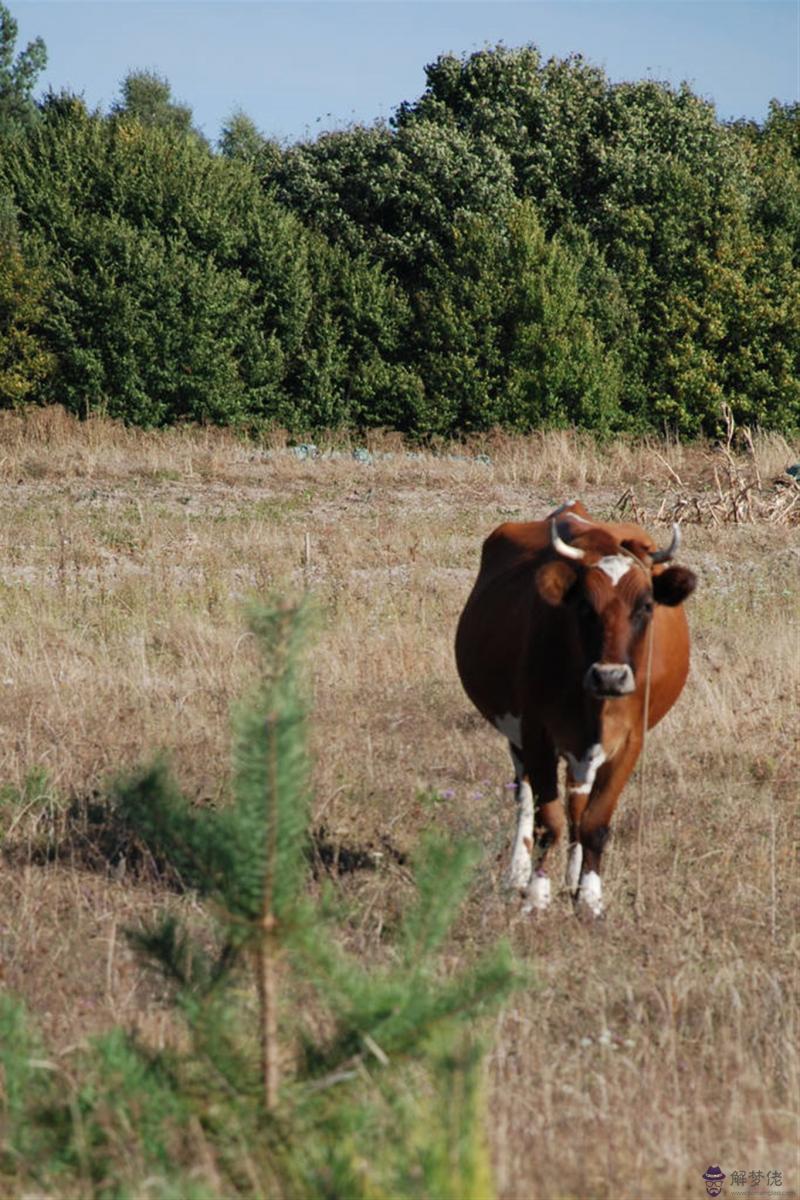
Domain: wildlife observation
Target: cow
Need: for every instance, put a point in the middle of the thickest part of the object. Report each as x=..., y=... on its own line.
x=573, y=639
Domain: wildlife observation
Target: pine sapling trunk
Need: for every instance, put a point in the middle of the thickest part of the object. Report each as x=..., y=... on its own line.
x=268, y=945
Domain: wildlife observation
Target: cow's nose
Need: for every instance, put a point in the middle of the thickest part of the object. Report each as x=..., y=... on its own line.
x=609, y=679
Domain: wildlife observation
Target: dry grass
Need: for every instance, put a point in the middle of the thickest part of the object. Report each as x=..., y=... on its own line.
x=656, y=1043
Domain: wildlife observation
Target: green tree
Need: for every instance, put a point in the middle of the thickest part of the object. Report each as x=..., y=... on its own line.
x=774, y=152
x=25, y=364
x=732, y=337
x=545, y=117
x=666, y=195
x=242, y=140
x=350, y=367
x=18, y=74
x=393, y=195
x=505, y=336
x=341, y=1134
x=146, y=97
x=300, y=1069
x=179, y=289
x=176, y=287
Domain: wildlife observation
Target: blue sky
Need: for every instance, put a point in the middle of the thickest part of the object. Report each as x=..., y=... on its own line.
x=300, y=66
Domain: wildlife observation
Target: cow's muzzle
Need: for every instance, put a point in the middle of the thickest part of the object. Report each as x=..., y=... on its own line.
x=609, y=679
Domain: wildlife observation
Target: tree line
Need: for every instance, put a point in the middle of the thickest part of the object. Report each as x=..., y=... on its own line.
x=525, y=245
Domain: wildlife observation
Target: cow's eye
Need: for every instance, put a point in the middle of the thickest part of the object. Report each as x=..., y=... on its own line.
x=644, y=609
x=584, y=607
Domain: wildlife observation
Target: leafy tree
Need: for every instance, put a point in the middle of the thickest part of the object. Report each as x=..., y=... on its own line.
x=25, y=364
x=18, y=74
x=176, y=287
x=545, y=117
x=146, y=97
x=733, y=338
x=349, y=367
x=393, y=195
x=180, y=290
x=526, y=243
x=648, y=175
x=505, y=337
x=243, y=141
x=774, y=153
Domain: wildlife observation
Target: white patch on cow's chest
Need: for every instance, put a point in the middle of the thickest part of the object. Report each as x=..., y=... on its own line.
x=583, y=770
x=615, y=566
x=510, y=727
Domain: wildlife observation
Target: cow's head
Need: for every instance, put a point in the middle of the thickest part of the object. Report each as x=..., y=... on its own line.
x=607, y=590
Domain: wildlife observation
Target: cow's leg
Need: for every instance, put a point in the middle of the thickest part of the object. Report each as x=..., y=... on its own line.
x=595, y=821
x=581, y=774
x=549, y=826
x=577, y=799
x=519, y=873
x=540, y=762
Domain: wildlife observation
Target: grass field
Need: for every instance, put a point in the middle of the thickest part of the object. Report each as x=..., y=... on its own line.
x=656, y=1042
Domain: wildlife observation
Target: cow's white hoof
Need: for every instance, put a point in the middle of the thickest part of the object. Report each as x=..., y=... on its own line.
x=538, y=898
x=518, y=878
x=517, y=882
x=590, y=894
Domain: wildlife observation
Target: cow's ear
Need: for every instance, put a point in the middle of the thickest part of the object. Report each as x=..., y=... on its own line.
x=554, y=580
x=672, y=586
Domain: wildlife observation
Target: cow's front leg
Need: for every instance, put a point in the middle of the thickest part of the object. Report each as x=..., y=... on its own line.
x=548, y=828
x=581, y=774
x=577, y=799
x=594, y=823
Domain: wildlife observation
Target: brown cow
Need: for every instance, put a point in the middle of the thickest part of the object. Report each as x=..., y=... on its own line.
x=567, y=618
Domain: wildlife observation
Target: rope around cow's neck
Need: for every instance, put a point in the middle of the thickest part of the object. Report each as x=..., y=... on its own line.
x=643, y=763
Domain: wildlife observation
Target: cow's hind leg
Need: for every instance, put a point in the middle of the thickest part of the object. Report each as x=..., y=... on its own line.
x=540, y=772
x=540, y=821
x=519, y=873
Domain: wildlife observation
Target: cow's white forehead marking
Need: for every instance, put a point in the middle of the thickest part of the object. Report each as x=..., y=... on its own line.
x=615, y=566
x=510, y=727
x=583, y=770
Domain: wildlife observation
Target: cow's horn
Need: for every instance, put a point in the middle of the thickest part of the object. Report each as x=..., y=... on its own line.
x=659, y=556
x=561, y=547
